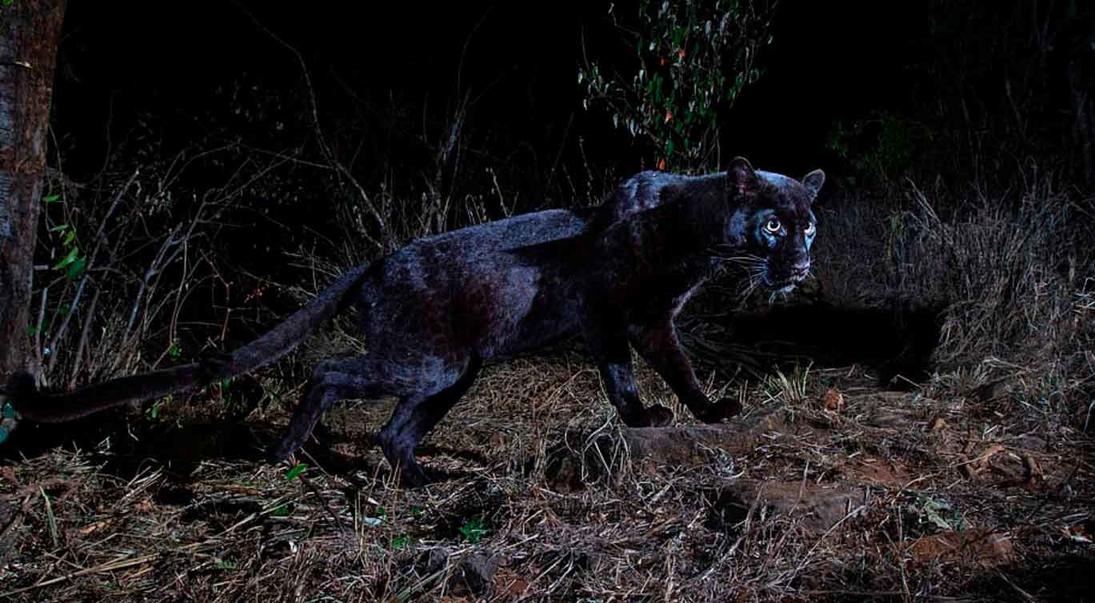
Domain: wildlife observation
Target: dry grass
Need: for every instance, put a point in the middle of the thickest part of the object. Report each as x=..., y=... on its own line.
x=938, y=498
x=1014, y=273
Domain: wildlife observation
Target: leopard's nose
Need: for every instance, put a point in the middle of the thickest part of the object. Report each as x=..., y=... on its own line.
x=800, y=270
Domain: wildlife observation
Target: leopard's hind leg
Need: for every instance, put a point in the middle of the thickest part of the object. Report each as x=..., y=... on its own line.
x=331, y=381
x=419, y=411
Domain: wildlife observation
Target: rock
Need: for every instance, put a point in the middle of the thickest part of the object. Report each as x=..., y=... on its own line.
x=474, y=573
x=817, y=508
x=436, y=559
x=690, y=444
x=875, y=471
x=652, y=447
x=980, y=548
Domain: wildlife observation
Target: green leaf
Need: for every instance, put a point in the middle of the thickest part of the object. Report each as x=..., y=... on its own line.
x=473, y=530
x=54, y=198
x=76, y=269
x=400, y=542
x=68, y=259
x=174, y=351
x=295, y=471
x=281, y=511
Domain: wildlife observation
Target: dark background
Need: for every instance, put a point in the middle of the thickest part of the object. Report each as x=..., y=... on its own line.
x=387, y=77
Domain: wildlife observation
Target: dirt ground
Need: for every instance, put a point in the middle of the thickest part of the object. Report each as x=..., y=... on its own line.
x=827, y=488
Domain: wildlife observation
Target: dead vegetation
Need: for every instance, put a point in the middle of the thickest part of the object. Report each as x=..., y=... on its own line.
x=894, y=495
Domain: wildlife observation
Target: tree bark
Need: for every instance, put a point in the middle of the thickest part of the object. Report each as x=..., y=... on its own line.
x=29, y=33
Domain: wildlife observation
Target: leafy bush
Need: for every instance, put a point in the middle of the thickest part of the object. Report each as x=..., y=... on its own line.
x=884, y=147
x=692, y=59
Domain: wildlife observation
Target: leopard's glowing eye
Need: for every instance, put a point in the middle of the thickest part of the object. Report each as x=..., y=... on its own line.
x=773, y=225
x=810, y=228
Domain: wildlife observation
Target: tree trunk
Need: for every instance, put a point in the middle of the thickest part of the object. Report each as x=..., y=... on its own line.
x=29, y=32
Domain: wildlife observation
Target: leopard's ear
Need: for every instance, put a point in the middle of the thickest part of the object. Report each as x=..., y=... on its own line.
x=742, y=177
x=813, y=182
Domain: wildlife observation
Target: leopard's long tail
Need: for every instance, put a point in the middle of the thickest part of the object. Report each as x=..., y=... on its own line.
x=43, y=407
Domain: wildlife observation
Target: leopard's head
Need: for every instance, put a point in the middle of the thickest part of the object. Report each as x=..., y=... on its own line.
x=772, y=226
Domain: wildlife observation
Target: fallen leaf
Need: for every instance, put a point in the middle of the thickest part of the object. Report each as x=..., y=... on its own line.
x=93, y=527
x=832, y=400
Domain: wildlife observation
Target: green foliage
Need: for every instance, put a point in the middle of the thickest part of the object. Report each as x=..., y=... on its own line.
x=175, y=351
x=884, y=146
x=935, y=514
x=474, y=529
x=400, y=542
x=295, y=472
x=73, y=263
x=693, y=60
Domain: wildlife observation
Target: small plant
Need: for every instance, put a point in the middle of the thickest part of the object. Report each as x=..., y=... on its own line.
x=73, y=262
x=885, y=146
x=935, y=514
x=791, y=388
x=295, y=471
x=474, y=529
x=400, y=542
x=693, y=60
